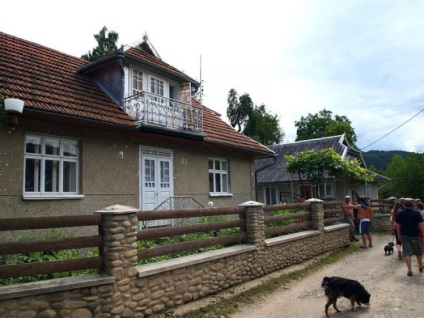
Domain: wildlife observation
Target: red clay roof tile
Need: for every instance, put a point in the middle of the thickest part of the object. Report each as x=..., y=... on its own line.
x=47, y=80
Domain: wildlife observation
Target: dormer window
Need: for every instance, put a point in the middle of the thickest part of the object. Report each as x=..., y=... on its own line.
x=152, y=99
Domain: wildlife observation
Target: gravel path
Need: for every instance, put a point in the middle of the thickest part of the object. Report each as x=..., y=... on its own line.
x=393, y=294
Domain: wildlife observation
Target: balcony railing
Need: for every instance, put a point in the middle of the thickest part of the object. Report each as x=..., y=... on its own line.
x=147, y=108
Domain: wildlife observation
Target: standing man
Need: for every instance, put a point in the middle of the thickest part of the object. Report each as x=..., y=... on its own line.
x=365, y=216
x=407, y=223
x=349, y=218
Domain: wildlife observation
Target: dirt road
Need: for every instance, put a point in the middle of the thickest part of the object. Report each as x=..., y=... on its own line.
x=393, y=293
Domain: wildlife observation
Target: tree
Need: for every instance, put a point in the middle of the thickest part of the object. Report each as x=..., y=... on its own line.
x=317, y=166
x=106, y=44
x=263, y=127
x=238, y=109
x=323, y=125
x=253, y=121
x=406, y=176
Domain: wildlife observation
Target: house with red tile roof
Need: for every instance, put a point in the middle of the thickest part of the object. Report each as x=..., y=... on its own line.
x=126, y=129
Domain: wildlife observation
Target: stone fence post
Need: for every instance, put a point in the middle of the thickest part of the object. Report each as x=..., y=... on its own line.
x=255, y=225
x=119, y=255
x=317, y=209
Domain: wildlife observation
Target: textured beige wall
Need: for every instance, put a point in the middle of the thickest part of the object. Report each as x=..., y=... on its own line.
x=108, y=178
x=191, y=176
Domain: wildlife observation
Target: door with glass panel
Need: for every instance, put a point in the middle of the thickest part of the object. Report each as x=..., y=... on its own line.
x=156, y=182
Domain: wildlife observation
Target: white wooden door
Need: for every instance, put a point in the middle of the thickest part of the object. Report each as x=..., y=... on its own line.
x=156, y=181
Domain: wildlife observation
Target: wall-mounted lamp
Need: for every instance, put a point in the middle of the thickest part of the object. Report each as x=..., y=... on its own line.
x=13, y=107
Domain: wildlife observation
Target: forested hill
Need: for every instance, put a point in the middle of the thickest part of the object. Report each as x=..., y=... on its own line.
x=381, y=159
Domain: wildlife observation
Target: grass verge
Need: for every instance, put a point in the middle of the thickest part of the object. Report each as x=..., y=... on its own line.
x=226, y=307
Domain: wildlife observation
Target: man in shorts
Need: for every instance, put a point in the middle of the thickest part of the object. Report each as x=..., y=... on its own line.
x=349, y=218
x=408, y=222
x=365, y=216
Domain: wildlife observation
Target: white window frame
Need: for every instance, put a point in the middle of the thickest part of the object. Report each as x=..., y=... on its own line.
x=136, y=72
x=165, y=85
x=270, y=195
x=324, y=186
x=224, y=186
x=61, y=159
x=366, y=190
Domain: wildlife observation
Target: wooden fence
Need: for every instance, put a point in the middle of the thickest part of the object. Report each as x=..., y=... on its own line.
x=382, y=206
x=213, y=221
x=13, y=248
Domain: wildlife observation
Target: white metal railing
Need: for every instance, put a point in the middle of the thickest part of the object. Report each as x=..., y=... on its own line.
x=153, y=109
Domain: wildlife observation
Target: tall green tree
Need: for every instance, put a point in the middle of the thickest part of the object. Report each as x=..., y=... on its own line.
x=323, y=124
x=407, y=177
x=317, y=166
x=263, y=127
x=106, y=44
x=238, y=109
x=253, y=121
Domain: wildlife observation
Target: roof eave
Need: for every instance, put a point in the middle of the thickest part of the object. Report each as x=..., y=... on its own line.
x=257, y=154
x=159, y=69
x=91, y=67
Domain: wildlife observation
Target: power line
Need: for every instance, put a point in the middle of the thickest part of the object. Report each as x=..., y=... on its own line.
x=394, y=129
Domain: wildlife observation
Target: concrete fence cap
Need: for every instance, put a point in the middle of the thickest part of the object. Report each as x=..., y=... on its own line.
x=117, y=209
x=313, y=200
x=250, y=203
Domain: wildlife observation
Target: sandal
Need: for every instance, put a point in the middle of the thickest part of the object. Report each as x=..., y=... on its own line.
x=409, y=273
x=421, y=269
x=362, y=246
x=399, y=255
x=370, y=245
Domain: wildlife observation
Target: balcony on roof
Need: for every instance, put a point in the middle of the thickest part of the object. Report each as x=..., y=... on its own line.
x=151, y=109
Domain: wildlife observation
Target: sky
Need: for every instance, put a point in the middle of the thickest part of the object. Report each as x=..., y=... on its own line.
x=362, y=59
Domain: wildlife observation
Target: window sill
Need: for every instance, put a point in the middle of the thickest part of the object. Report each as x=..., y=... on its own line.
x=220, y=194
x=53, y=197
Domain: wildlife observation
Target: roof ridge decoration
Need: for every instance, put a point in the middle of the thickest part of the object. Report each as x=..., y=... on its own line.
x=146, y=46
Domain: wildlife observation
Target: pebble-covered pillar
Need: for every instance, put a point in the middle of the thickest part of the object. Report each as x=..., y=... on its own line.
x=119, y=251
x=317, y=210
x=255, y=225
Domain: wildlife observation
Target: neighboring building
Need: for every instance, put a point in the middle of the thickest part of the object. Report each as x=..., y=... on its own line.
x=122, y=130
x=275, y=184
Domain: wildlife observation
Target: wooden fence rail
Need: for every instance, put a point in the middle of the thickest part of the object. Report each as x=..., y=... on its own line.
x=48, y=222
x=213, y=227
x=50, y=267
x=171, y=214
x=190, y=246
x=50, y=245
x=225, y=226
x=155, y=233
x=18, y=252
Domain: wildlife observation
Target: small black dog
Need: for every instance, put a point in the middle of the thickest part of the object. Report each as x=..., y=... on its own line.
x=335, y=287
x=388, y=249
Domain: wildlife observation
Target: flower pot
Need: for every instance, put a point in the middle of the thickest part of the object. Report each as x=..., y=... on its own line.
x=13, y=105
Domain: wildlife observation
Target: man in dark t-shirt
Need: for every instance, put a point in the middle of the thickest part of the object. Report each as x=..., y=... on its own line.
x=407, y=222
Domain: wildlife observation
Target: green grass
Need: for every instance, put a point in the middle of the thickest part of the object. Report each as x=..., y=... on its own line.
x=227, y=307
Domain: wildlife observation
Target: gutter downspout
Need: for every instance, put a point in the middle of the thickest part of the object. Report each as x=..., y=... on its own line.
x=121, y=57
x=274, y=156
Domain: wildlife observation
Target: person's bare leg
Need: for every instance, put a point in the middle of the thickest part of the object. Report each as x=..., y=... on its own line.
x=364, y=240
x=408, y=263
x=369, y=239
x=420, y=262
